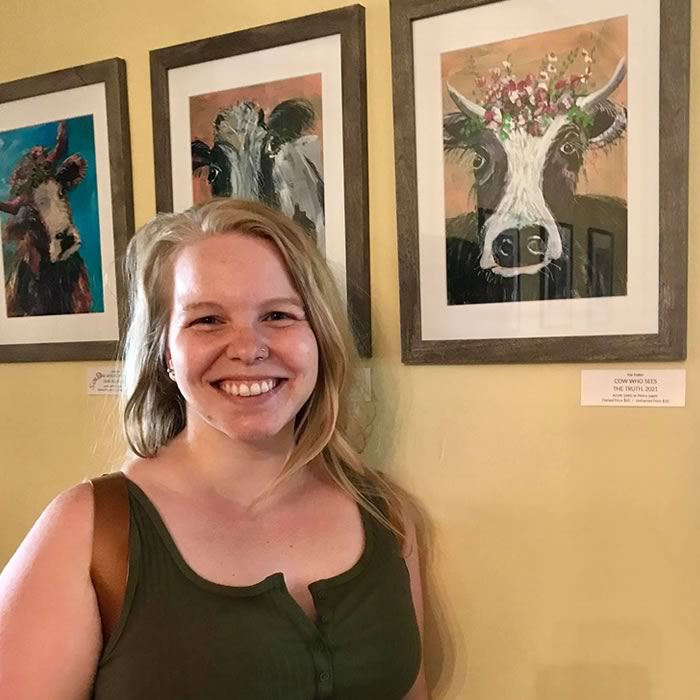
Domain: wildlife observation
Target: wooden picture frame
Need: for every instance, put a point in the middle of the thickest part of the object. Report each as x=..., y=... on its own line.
x=65, y=136
x=318, y=62
x=435, y=329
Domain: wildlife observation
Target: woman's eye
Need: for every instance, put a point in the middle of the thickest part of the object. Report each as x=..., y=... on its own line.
x=205, y=321
x=278, y=316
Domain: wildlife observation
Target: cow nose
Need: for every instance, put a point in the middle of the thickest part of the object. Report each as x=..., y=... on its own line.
x=505, y=248
x=534, y=238
x=67, y=239
x=520, y=247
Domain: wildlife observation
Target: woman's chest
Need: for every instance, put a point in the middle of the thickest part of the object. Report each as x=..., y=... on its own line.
x=305, y=544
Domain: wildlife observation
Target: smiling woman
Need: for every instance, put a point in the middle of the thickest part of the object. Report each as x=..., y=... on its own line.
x=265, y=558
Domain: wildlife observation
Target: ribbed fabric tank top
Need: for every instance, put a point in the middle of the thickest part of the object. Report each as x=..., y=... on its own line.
x=181, y=637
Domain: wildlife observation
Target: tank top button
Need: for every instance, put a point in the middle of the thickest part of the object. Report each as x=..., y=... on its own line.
x=324, y=619
x=324, y=677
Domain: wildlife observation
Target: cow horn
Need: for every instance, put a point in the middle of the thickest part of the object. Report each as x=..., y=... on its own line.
x=589, y=102
x=12, y=206
x=467, y=107
x=61, y=143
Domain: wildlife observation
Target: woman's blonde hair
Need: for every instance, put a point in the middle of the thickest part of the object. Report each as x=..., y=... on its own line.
x=153, y=408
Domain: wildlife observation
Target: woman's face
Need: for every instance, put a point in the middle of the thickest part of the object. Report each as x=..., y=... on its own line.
x=244, y=355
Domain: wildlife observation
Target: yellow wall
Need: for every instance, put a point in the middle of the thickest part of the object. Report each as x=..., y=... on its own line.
x=566, y=563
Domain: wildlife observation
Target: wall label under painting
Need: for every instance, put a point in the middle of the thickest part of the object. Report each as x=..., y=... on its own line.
x=50, y=222
x=263, y=142
x=535, y=166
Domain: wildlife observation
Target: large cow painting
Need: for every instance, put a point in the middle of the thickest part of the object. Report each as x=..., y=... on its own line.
x=535, y=166
x=264, y=143
x=49, y=219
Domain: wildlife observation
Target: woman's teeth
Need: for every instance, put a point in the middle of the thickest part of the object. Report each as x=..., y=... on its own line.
x=248, y=388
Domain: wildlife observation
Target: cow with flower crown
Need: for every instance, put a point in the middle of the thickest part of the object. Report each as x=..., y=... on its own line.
x=529, y=236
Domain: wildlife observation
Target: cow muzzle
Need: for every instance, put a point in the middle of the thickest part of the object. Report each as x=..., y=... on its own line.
x=515, y=248
x=64, y=244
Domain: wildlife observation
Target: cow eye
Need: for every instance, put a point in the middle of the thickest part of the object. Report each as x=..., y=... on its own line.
x=478, y=162
x=568, y=148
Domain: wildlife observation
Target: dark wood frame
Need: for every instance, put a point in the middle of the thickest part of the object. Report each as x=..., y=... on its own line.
x=111, y=72
x=349, y=23
x=670, y=342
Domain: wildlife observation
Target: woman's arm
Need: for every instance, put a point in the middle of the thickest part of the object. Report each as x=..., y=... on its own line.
x=411, y=555
x=50, y=635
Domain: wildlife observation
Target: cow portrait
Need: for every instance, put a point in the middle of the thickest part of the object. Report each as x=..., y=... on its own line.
x=46, y=274
x=273, y=157
x=531, y=234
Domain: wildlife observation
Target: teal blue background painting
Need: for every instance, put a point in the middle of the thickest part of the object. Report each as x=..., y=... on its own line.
x=82, y=198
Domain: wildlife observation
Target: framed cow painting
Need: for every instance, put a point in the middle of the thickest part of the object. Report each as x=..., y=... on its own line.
x=541, y=166
x=274, y=114
x=66, y=213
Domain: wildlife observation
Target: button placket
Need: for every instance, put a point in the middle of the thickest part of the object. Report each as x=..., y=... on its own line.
x=321, y=650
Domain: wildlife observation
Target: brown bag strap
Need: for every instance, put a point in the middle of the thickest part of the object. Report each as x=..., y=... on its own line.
x=109, y=567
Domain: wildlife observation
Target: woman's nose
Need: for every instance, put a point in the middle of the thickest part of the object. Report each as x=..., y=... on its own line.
x=246, y=345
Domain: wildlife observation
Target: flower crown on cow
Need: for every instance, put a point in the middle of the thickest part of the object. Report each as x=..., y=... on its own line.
x=507, y=104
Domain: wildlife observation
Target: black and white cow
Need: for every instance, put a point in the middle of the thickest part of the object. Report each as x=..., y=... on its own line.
x=531, y=235
x=275, y=161
x=48, y=275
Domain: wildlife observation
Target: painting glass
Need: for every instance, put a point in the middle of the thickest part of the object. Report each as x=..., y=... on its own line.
x=48, y=173
x=535, y=166
x=263, y=142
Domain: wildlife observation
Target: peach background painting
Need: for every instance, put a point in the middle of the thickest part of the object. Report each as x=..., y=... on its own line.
x=604, y=170
x=204, y=108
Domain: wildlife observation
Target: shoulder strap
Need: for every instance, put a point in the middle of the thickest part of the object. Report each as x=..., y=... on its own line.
x=110, y=547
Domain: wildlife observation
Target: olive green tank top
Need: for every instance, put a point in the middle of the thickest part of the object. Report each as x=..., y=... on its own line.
x=181, y=637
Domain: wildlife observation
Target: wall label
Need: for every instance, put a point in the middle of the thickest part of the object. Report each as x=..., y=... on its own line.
x=103, y=381
x=663, y=388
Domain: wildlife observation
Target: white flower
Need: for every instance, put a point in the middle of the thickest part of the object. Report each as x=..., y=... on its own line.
x=587, y=58
x=552, y=57
x=507, y=65
x=551, y=68
x=513, y=96
x=544, y=76
x=585, y=53
x=521, y=120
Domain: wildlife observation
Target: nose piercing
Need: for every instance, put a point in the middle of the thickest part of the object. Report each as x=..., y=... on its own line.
x=263, y=353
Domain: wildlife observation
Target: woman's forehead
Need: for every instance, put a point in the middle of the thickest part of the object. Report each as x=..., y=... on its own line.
x=231, y=264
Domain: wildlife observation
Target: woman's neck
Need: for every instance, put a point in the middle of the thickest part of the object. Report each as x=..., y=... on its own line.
x=208, y=460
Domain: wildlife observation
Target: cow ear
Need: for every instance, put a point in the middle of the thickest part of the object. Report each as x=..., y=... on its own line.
x=290, y=119
x=71, y=171
x=201, y=155
x=609, y=122
x=458, y=132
